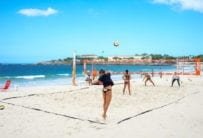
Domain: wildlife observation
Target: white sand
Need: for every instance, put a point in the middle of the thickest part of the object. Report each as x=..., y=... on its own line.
x=68, y=111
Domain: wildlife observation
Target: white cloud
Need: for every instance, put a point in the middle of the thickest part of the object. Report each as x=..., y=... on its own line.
x=37, y=12
x=196, y=5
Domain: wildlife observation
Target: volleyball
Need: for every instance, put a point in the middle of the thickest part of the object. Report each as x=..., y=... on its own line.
x=116, y=43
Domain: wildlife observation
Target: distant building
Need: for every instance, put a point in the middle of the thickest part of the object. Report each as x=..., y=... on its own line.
x=88, y=56
x=122, y=57
x=118, y=59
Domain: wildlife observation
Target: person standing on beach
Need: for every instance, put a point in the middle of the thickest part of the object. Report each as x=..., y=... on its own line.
x=152, y=72
x=126, y=78
x=147, y=78
x=160, y=73
x=175, y=78
x=106, y=81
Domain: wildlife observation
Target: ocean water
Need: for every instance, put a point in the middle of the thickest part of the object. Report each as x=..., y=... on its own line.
x=33, y=75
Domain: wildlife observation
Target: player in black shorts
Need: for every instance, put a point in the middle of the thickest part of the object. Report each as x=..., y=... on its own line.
x=105, y=79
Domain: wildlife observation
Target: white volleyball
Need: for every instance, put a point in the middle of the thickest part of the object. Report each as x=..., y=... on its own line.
x=116, y=43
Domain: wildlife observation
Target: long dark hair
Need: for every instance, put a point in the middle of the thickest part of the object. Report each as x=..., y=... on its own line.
x=101, y=71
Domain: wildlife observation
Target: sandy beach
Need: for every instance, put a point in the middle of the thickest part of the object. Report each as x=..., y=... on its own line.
x=75, y=111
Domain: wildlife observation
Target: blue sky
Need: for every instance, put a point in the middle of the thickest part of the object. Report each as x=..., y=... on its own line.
x=38, y=30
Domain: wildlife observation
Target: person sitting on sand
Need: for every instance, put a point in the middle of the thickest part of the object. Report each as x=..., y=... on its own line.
x=94, y=74
x=88, y=78
x=175, y=77
x=147, y=78
x=105, y=79
x=95, y=82
x=126, y=78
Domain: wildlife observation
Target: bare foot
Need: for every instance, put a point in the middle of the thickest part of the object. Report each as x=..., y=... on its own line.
x=104, y=116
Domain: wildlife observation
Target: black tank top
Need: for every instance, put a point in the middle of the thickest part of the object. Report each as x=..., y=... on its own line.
x=106, y=80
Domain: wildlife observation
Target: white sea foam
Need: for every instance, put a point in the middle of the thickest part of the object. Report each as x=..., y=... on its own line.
x=31, y=77
x=65, y=74
x=7, y=77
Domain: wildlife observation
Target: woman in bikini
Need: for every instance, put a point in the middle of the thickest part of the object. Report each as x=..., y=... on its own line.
x=126, y=78
x=105, y=79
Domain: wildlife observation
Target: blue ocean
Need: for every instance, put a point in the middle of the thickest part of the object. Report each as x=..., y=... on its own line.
x=33, y=75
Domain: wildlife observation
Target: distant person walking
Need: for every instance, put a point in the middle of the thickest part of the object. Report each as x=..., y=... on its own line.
x=105, y=79
x=147, y=78
x=126, y=78
x=175, y=77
